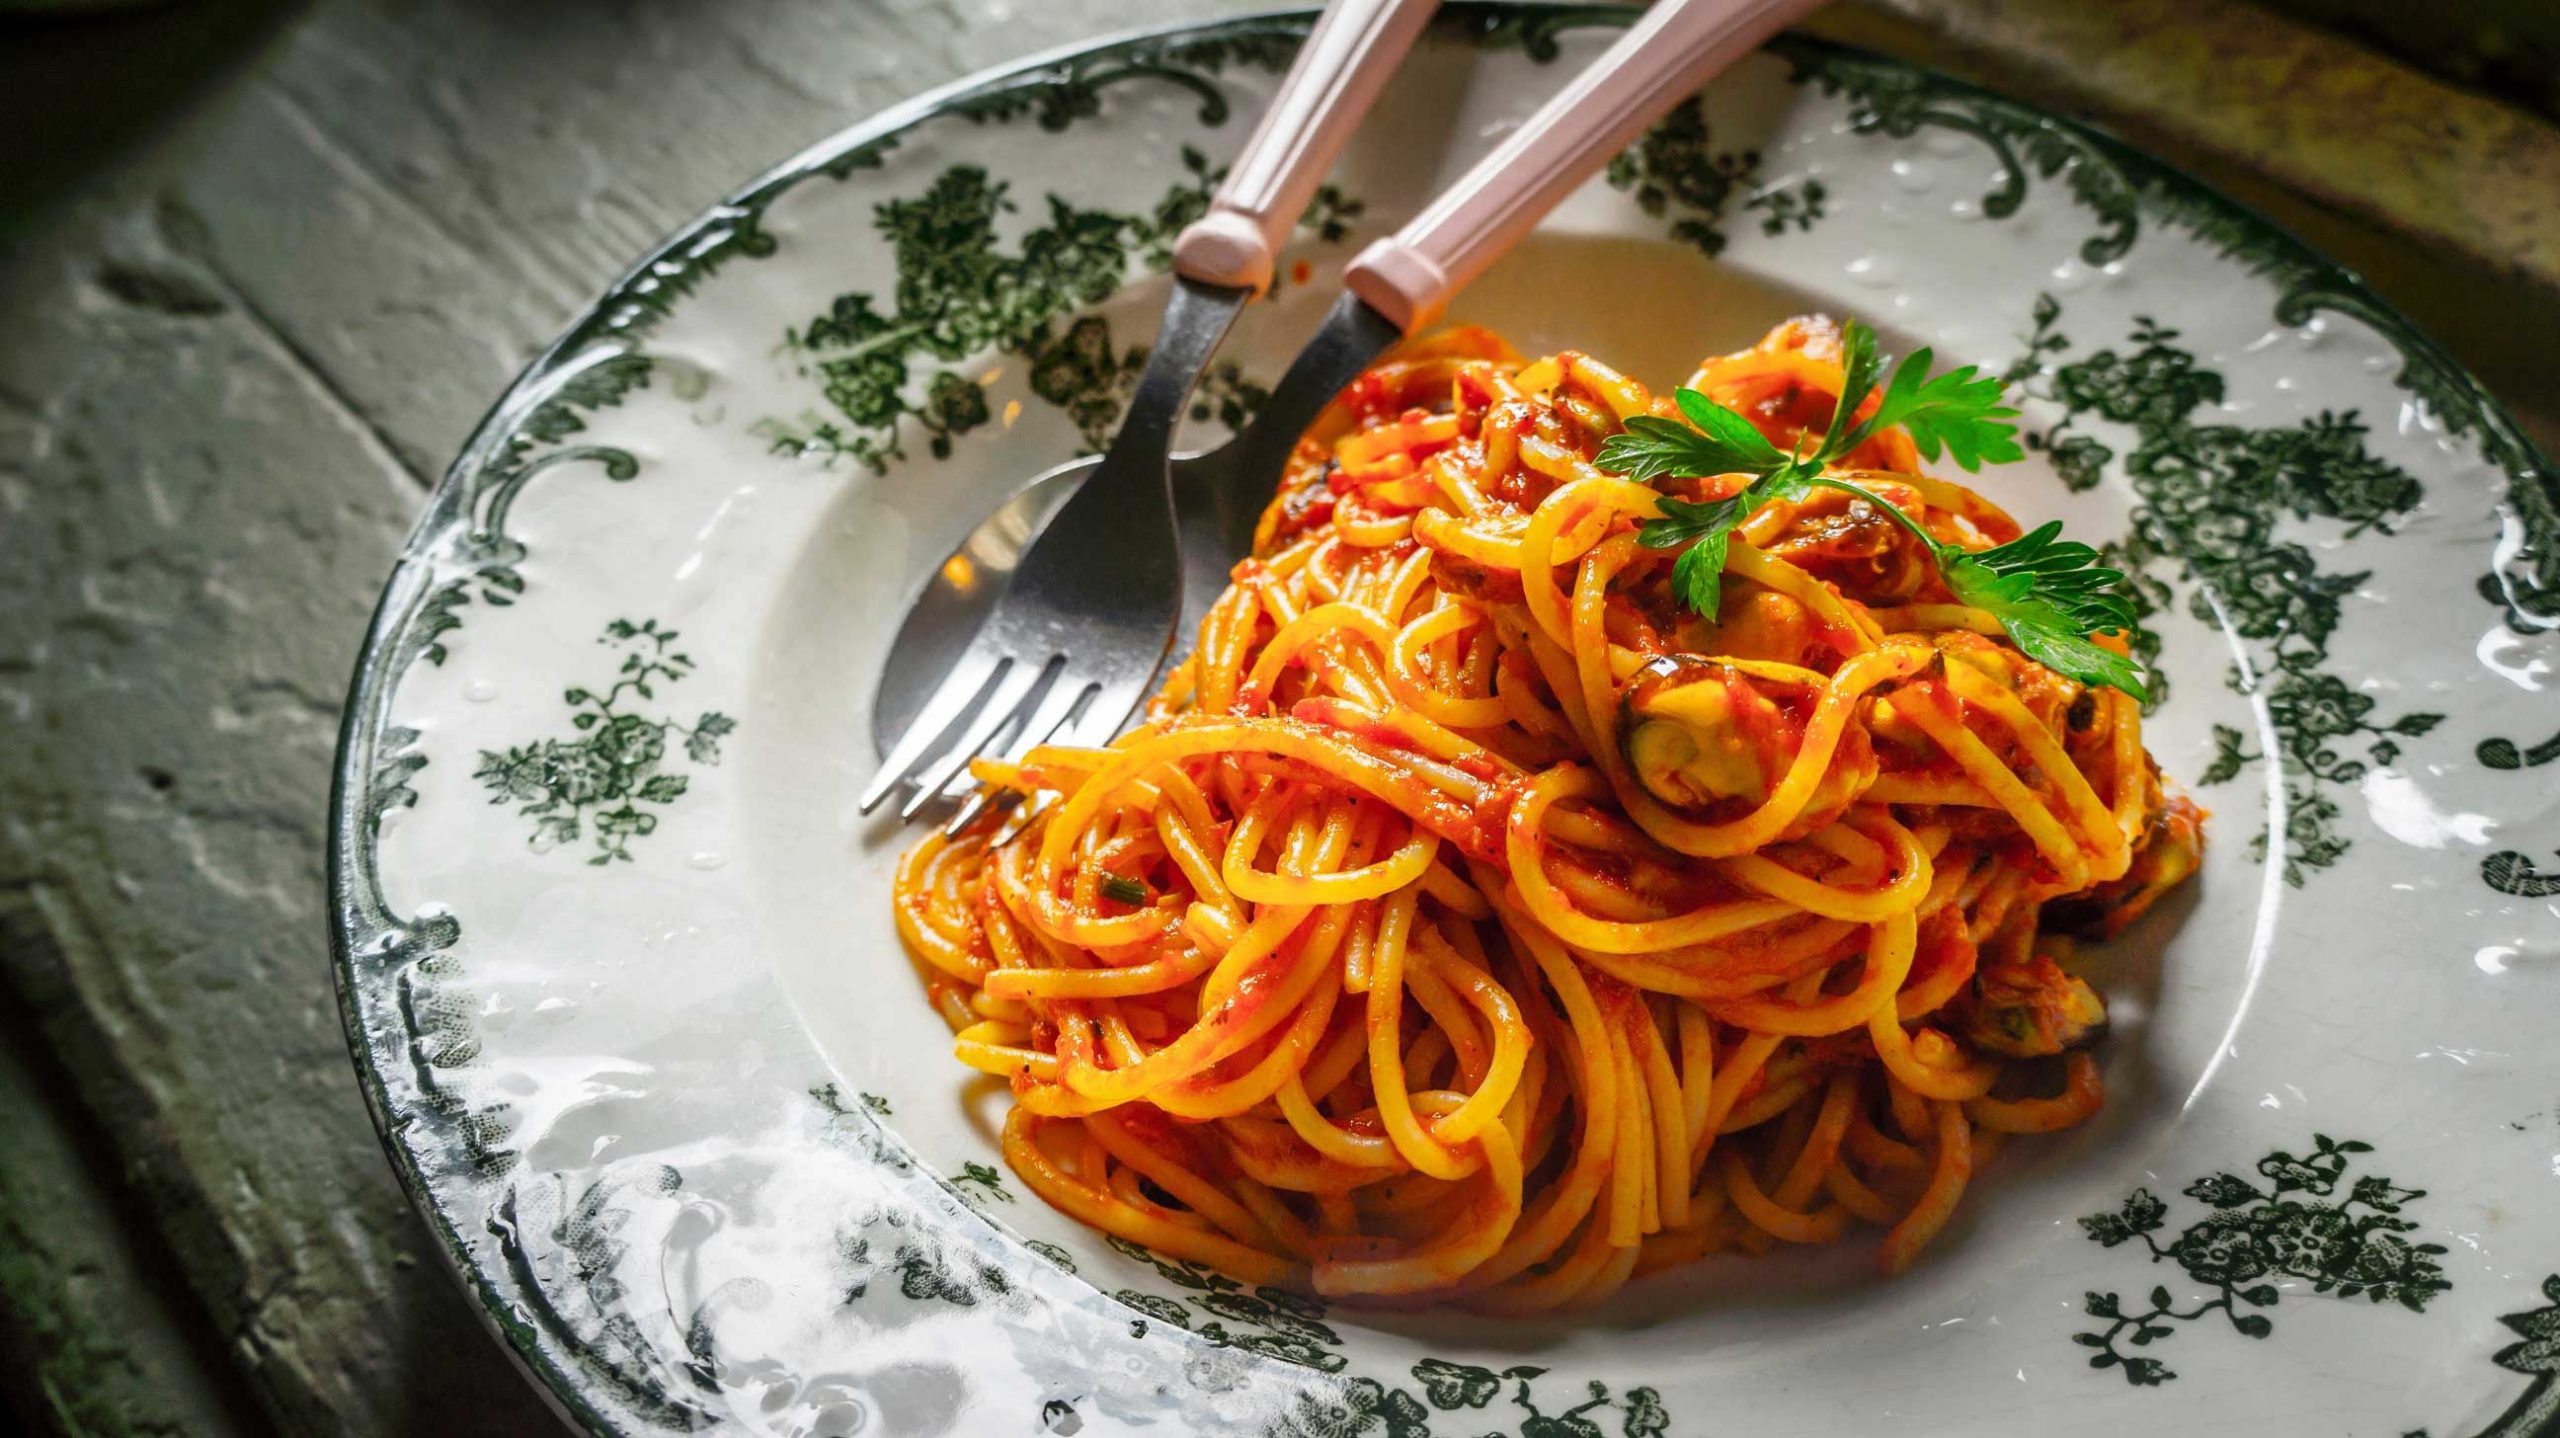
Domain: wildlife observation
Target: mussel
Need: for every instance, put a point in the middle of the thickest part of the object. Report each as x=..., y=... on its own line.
x=2032, y=1009
x=1703, y=735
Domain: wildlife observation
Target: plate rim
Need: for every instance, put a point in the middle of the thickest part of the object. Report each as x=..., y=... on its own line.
x=619, y=316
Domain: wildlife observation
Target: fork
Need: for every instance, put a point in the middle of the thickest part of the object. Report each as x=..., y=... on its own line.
x=1092, y=607
x=1396, y=286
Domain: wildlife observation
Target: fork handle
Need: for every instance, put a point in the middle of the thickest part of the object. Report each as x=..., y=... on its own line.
x=1665, y=57
x=1345, y=62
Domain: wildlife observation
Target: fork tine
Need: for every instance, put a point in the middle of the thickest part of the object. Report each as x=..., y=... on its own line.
x=1018, y=816
x=1009, y=704
x=970, y=809
x=979, y=799
x=950, y=706
x=1065, y=702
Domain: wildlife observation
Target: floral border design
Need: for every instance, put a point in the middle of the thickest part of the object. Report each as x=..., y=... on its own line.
x=612, y=1349
x=2509, y=871
x=902, y=1242
x=2536, y=1411
x=1675, y=173
x=486, y=552
x=397, y=974
x=2123, y=188
x=1366, y=1406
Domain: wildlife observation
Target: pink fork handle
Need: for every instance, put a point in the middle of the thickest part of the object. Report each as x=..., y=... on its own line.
x=1664, y=58
x=1355, y=46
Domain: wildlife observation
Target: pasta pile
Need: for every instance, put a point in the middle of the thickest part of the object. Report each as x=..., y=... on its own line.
x=1468, y=921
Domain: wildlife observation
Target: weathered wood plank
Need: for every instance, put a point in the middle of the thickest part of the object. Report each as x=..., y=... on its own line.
x=196, y=524
x=109, y=1340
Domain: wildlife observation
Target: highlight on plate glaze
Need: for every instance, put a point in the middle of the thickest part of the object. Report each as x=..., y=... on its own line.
x=487, y=553
x=578, y=1301
x=2270, y=519
x=2257, y=1233
x=902, y=1242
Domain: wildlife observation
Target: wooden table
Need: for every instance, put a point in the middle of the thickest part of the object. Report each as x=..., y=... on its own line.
x=261, y=267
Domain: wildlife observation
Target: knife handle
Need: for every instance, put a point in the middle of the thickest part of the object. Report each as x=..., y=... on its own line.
x=1664, y=58
x=1338, y=74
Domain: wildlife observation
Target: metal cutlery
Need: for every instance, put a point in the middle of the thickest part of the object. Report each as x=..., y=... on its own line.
x=1069, y=646
x=1394, y=287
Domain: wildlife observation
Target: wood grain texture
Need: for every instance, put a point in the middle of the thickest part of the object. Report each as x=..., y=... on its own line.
x=257, y=294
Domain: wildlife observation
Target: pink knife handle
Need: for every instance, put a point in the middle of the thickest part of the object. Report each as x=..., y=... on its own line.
x=1355, y=46
x=1663, y=59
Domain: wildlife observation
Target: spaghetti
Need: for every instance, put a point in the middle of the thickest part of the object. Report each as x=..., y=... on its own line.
x=1468, y=921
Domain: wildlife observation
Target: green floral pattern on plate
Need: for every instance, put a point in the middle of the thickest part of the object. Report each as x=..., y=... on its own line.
x=1366, y=1407
x=1675, y=172
x=1271, y=1321
x=2509, y=871
x=2256, y=1233
x=2536, y=1411
x=488, y=551
x=612, y=776
x=2212, y=496
x=1214, y=1309
x=962, y=292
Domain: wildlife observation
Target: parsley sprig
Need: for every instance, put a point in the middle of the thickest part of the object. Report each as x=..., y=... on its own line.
x=2049, y=594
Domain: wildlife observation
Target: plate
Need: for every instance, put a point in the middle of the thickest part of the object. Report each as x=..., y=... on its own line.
x=615, y=954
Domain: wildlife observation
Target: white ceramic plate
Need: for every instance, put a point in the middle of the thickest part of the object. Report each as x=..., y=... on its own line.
x=617, y=961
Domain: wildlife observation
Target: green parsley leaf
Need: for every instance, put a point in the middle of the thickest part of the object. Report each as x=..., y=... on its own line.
x=1697, y=576
x=2048, y=593
x=2076, y=658
x=1859, y=364
x=1791, y=484
x=1654, y=448
x=1125, y=889
x=1749, y=451
x=2066, y=572
x=1957, y=412
x=1684, y=520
